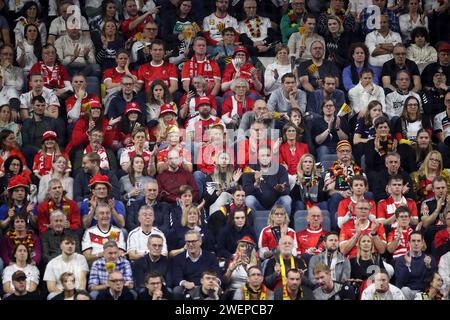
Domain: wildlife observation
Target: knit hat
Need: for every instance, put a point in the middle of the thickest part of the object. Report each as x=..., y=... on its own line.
x=168, y=108
x=132, y=107
x=49, y=135
x=343, y=143
x=18, y=181
x=99, y=178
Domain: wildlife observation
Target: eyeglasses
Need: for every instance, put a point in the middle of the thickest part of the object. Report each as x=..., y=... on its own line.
x=435, y=160
x=345, y=151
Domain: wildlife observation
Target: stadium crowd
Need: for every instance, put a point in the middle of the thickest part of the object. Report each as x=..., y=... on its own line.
x=225, y=149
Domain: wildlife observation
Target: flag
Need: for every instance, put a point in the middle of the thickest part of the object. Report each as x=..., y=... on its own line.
x=345, y=109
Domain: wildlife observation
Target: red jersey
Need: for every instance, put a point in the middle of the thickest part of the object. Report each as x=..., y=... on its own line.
x=244, y=72
x=206, y=159
x=348, y=231
x=53, y=77
x=184, y=153
x=114, y=74
x=72, y=100
x=42, y=163
x=441, y=237
x=343, y=207
x=403, y=244
x=291, y=159
x=198, y=127
x=248, y=154
x=268, y=240
x=149, y=72
x=231, y=106
x=308, y=238
x=208, y=69
x=192, y=111
x=386, y=207
x=131, y=33
x=67, y=206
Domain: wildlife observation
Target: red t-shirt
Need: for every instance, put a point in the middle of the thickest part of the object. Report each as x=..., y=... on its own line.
x=70, y=102
x=227, y=106
x=161, y=156
x=148, y=72
x=348, y=231
x=403, y=244
x=386, y=207
x=131, y=33
x=114, y=74
x=208, y=69
x=344, y=204
x=198, y=127
x=308, y=238
x=42, y=163
x=207, y=156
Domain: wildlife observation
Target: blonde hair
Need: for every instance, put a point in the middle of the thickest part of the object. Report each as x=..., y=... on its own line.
x=299, y=166
x=270, y=219
x=358, y=247
x=185, y=213
x=423, y=170
x=217, y=177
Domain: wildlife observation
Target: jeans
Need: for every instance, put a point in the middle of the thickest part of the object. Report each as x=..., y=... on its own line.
x=253, y=203
x=324, y=150
x=200, y=179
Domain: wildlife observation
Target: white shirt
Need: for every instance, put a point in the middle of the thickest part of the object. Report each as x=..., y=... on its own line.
x=270, y=84
x=395, y=102
x=94, y=238
x=264, y=25
x=393, y=293
x=138, y=240
x=407, y=25
x=374, y=38
x=49, y=95
x=31, y=271
x=444, y=269
x=58, y=27
x=359, y=97
x=211, y=24
x=442, y=123
x=57, y=266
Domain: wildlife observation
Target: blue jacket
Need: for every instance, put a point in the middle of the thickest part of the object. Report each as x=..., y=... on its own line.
x=228, y=238
x=414, y=276
x=184, y=269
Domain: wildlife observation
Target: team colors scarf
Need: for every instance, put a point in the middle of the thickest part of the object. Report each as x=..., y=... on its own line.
x=193, y=68
x=51, y=77
x=64, y=206
x=283, y=269
x=261, y=294
x=286, y=295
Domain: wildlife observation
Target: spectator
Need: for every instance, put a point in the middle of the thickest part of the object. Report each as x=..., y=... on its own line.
x=29, y=51
x=161, y=210
x=260, y=113
x=254, y=288
x=90, y=168
x=6, y=122
x=12, y=77
x=200, y=65
x=58, y=25
x=30, y=15
x=441, y=239
x=108, y=12
x=78, y=103
x=13, y=167
x=236, y=104
x=238, y=265
x=420, y=51
x=190, y=100
x=138, y=147
x=434, y=97
x=339, y=265
x=381, y=42
x=433, y=289
x=310, y=240
x=42, y=164
x=398, y=237
x=126, y=95
x=57, y=201
x=337, y=39
x=400, y=62
x=188, y=267
x=20, y=262
x=267, y=184
x=442, y=131
x=8, y=148
x=414, y=267
x=382, y=289
x=115, y=289
x=384, y=10
x=277, y=226
x=27, y=100
x=309, y=185
x=292, y=20
x=359, y=60
x=213, y=23
x=301, y=40
x=277, y=267
x=108, y=44
x=396, y=187
x=152, y=261
x=277, y=69
x=365, y=92
x=338, y=10
x=328, y=130
x=209, y=288
x=287, y=97
x=132, y=184
x=56, y=231
x=135, y=22
x=293, y=289
x=311, y=72
x=138, y=238
x=413, y=18
x=414, y=155
x=20, y=285
x=328, y=91
x=67, y=260
x=443, y=63
x=328, y=289
x=353, y=229
x=140, y=50
x=154, y=288
x=94, y=237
